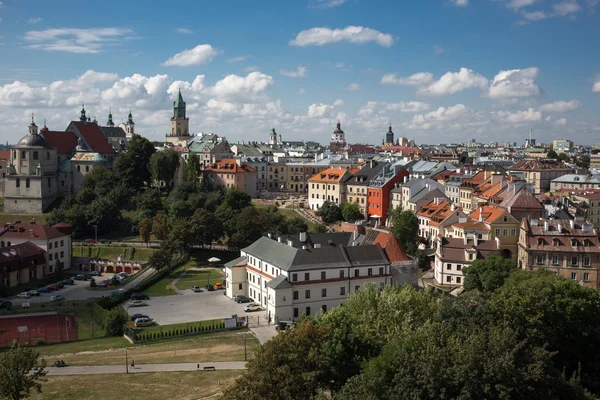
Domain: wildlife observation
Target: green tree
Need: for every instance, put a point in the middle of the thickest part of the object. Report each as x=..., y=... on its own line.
x=206, y=227
x=330, y=212
x=58, y=272
x=179, y=236
x=583, y=161
x=160, y=225
x=296, y=225
x=21, y=372
x=287, y=367
x=320, y=228
x=193, y=170
x=145, y=227
x=161, y=258
x=489, y=274
x=423, y=261
x=552, y=154
x=115, y=320
x=351, y=212
x=564, y=157
x=103, y=212
x=163, y=166
x=237, y=199
x=405, y=226
x=557, y=313
x=132, y=167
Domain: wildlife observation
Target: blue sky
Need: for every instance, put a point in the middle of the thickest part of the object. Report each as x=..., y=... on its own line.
x=439, y=70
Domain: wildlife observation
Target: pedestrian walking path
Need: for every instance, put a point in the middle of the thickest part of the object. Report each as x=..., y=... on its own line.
x=121, y=369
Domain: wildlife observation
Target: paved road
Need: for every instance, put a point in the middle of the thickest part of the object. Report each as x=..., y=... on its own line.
x=120, y=369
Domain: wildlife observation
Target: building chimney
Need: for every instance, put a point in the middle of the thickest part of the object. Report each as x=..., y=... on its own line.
x=405, y=179
x=545, y=226
x=452, y=207
x=279, y=239
x=465, y=238
x=304, y=247
x=498, y=243
x=572, y=223
x=303, y=237
x=480, y=214
x=475, y=239
x=559, y=228
x=355, y=235
x=290, y=243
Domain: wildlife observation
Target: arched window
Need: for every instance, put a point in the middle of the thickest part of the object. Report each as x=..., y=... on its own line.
x=35, y=155
x=18, y=182
x=87, y=168
x=8, y=244
x=47, y=155
x=2, y=244
x=27, y=183
x=24, y=155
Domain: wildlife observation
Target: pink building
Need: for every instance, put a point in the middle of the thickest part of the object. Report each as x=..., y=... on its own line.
x=231, y=173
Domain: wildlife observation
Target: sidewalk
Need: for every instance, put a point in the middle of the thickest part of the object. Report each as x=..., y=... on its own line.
x=120, y=369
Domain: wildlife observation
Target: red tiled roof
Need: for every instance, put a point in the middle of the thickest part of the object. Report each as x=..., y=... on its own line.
x=94, y=137
x=393, y=250
x=590, y=194
x=31, y=231
x=4, y=156
x=229, y=165
x=22, y=255
x=64, y=142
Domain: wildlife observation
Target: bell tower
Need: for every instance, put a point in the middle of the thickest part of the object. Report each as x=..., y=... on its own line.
x=180, y=124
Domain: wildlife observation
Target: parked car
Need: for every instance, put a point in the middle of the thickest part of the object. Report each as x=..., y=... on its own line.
x=45, y=289
x=242, y=299
x=92, y=241
x=34, y=292
x=218, y=286
x=60, y=285
x=136, y=316
x=284, y=325
x=143, y=322
x=252, y=307
x=57, y=297
x=137, y=303
x=68, y=282
x=139, y=296
x=23, y=295
x=53, y=287
x=80, y=277
x=196, y=289
x=5, y=304
x=101, y=284
x=96, y=273
x=210, y=288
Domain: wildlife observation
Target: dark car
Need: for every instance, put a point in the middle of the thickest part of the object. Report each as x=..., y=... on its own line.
x=80, y=277
x=210, y=288
x=60, y=284
x=68, y=282
x=243, y=299
x=139, y=296
x=45, y=289
x=136, y=316
x=5, y=304
x=284, y=325
x=53, y=287
x=96, y=273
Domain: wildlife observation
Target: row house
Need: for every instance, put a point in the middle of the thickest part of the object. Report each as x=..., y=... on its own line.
x=503, y=226
x=584, y=203
x=378, y=191
x=210, y=149
x=435, y=216
x=539, y=173
x=298, y=174
x=405, y=193
x=54, y=240
x=569, y=248
x=519, y=201
x=21, y=263
x=231, y=174
x=305, y=274
x=357, y=184
x=328, y=185
x=452, y=255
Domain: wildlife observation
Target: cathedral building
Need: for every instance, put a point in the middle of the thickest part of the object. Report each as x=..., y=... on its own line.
x=338, y=139
x=180, y=124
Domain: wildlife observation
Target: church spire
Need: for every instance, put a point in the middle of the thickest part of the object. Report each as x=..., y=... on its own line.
x=110, y=122
x=82, y=116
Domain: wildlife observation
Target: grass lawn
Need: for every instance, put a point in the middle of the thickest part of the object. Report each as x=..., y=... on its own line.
x=218, y=346
x=147, y=386
x=199, y=278
x=113, y=252
x=81, y=309
x=198, y=257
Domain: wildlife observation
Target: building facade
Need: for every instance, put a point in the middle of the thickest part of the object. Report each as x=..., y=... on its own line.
x=231, y=174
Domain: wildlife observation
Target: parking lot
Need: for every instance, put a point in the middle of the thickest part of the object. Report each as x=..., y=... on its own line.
x=191, y=307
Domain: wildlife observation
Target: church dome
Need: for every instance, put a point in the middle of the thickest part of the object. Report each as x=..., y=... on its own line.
x=33, y=141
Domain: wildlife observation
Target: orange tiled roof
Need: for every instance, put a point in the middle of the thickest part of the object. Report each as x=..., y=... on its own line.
x=332, y=175
x=229, y=165
x=490, y=214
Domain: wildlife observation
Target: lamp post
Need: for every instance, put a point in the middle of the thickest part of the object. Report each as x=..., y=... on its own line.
x=126, y=362
x=96, y=234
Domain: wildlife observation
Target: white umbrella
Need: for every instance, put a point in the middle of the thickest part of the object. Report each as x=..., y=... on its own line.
x=213, y=260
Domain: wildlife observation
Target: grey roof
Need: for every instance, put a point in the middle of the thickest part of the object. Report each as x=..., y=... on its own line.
x=334, y=239
x=289, y=258
x=426, y=194
x=34, y=140
x=280, y=282
x=574, y=178
x=112, y=131
x=365, y=174
x=235, y=262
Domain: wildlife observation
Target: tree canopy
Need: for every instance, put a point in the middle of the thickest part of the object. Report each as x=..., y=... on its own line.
x=405, y=226
x=21, y=372
x=351, y=212
x=330, y=212
x=489, y=274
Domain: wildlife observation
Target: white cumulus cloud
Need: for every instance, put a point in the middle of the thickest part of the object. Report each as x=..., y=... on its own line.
x=353, y=87
x=562, y=121
x=453, y=82
x=515, y=83
x=596, y=86
x=460, y=3
x=352, y=34
x=418, y=79
x=79, y=41
x=329, y=3
x=560, y=106
x=235, y=87
x=529, y=115
x=201, y=54
x=299, y=72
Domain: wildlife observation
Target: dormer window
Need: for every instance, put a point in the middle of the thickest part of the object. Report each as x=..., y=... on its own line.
x=556, y=242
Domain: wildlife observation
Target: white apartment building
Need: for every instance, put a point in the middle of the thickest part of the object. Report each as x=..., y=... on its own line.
x=306, y=273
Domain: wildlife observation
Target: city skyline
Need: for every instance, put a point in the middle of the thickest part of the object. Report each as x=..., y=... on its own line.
x=445, y=71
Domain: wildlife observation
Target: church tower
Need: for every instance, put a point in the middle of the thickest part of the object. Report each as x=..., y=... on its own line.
x=389, y=136
x=180, y=124
x=110, y=122
x=130, y=126
x=273, y=138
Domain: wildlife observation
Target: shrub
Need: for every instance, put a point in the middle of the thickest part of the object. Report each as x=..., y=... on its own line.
x=115, y=319
x=40, y=342
x=93, y=283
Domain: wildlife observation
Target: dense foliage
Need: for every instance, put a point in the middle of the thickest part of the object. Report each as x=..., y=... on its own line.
x=330, y=212
x=405, y=226
x=21, y=372
x=536, y=336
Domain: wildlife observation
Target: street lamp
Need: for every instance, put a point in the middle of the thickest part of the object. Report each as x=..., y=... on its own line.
x=126, y=362
x=96, y=234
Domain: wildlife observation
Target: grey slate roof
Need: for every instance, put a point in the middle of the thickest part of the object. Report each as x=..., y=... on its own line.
x=237, y=261
x=365, y=174
x=289, y=258
x=112, y=131
x=280, y=282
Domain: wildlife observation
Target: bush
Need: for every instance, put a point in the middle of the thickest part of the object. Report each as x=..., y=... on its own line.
x=93, y=283
x=40, y=342
x=114, y=322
